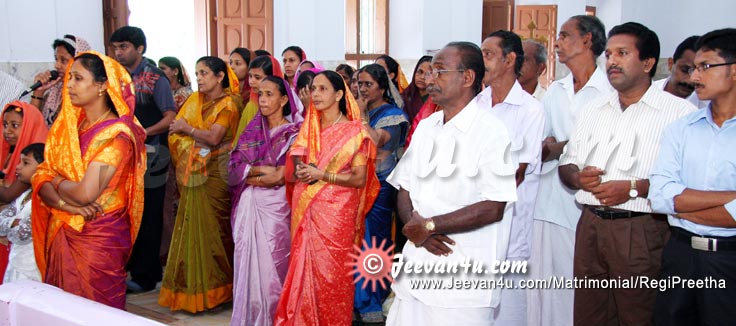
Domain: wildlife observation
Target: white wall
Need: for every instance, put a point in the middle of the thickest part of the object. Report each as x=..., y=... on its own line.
x=447, y=21
x=317, y=26
x=28, y=28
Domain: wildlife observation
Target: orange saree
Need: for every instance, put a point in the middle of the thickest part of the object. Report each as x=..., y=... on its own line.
x=327, y=219
x=88, y=258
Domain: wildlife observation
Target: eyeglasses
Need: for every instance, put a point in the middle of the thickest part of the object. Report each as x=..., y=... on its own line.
x=436, y=73
x=705, y=66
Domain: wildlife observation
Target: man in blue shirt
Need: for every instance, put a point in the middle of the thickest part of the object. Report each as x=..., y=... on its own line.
x=694, y=181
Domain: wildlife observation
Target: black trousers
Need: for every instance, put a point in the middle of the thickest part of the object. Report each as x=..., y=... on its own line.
x=144, y=264
x=684, y=305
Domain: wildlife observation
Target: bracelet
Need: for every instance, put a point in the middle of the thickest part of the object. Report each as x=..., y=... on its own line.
x=61, y=203
x=258, y=179
x=191, y=133
x=37, y=97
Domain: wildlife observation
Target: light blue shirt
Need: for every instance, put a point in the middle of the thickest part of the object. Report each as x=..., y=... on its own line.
x=697, y=154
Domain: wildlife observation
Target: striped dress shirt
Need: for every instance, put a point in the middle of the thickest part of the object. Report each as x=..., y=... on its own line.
x=623, y=143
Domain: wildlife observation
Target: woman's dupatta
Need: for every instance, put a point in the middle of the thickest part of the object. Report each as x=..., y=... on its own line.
x=307, y=145
x=64, y=157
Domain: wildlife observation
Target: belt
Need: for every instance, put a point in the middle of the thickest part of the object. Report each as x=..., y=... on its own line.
x=704, y=243
x=610, y=214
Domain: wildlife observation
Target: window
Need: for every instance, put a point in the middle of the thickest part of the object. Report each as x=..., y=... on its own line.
x=366, y=31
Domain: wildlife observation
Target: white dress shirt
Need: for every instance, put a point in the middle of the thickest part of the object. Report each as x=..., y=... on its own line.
x=524, y=117
x=693, y=98
x=623, y=143
x=539, y=92
x=555, y=202
x=449, y=166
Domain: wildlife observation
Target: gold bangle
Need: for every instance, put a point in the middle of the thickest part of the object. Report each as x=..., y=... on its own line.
x=61, y=203
x=191, y=133
x=258, y=179
x=333, y=178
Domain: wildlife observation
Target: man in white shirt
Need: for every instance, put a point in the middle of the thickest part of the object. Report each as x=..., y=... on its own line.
x=608, y=160
x=535, y=64
x=10, y=89
x=523, y=115
x=581, y=40
x=453, y=210
x=679, y=83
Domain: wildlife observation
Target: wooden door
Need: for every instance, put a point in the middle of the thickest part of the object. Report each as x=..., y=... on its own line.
x=115, y=14
x=497, y=15
x=241, y=23
x=539, y=23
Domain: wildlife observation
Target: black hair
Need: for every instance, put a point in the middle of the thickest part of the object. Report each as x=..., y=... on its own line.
x=379, y=74
x=261, y=52
x=14, y=108
x=594, y=26
x=510, y=42
x=264, y=62
x=286, y=109
x=174, y=63
x=687, y=44
x=647, y=42
x=35, y=149
x=244, y=53
x=68, y=47
x=305, y=79
x=130, y=34
x=471, y=58
x=96, y=67
x=393, y=68
x=217, y=66
x=338, y=83
x=297, y=50
x=347, y=68
x=722, y=41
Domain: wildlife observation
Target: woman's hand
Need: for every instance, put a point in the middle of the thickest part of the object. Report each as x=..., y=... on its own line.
x=46, y=82
x=89, y=212
x=261, y=170
x=304, y=96
x=179, y=126
x=308, y=173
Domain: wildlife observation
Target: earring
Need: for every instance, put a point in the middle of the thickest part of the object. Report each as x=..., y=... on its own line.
x=99, y=93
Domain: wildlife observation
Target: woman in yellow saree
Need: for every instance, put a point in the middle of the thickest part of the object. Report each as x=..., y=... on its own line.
x=88, y=193
x=333, y=163
x=199, y=274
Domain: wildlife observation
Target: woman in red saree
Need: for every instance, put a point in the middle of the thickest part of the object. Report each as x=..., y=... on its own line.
x=88, y=193
x=333, y=164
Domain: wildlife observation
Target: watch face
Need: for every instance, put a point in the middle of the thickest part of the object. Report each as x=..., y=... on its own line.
x=633, y=193
x=429, y=225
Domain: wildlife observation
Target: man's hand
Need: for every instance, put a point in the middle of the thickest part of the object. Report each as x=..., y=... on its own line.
x=437, y=244
x=415, y=230
x=589, y=178
x=612, y=193
x=546, y=150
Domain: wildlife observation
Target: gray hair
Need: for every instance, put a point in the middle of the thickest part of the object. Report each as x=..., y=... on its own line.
x=540, y=54
x=594, y=26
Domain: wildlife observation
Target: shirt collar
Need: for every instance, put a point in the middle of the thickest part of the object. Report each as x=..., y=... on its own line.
x=516, y=95
x=140, y=67
x=701, y=114
x=649, y=98
x=462, y=120
x=598, y=80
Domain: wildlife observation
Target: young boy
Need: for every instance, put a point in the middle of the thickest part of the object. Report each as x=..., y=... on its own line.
x=15, y=221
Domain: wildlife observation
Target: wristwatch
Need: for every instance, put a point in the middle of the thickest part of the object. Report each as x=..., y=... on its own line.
x=633, y=193
x=429, y=225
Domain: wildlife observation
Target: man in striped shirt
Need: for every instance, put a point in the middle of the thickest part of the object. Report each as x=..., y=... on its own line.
x=607, y=159
x=10, y=89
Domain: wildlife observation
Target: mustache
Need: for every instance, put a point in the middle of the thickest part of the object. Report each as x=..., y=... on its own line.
x=614, y=68
x=432, y=88
x=689, y=86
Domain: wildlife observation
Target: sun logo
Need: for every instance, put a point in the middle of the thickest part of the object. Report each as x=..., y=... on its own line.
x=372, y=264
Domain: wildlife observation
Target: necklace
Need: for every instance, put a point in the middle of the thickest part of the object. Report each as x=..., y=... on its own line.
x=102, y=117
x=336, y=120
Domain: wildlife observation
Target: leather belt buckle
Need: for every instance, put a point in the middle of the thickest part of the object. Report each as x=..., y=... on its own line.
x=704, y=244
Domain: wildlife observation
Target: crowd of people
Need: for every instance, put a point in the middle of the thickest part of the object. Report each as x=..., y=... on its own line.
x=255, y=188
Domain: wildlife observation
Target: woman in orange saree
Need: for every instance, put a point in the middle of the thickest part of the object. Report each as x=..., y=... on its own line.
x=332, y=163
x=88, y=193
x=199, y=273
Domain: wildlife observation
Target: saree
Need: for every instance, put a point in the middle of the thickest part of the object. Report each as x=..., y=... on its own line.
x=428, y=108
x=198, y=274
x=261, y=218
x=327, y=220
x=379, y=220
x=88, y=258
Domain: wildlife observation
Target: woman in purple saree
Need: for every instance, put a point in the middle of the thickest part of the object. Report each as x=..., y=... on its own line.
x=261, y=216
